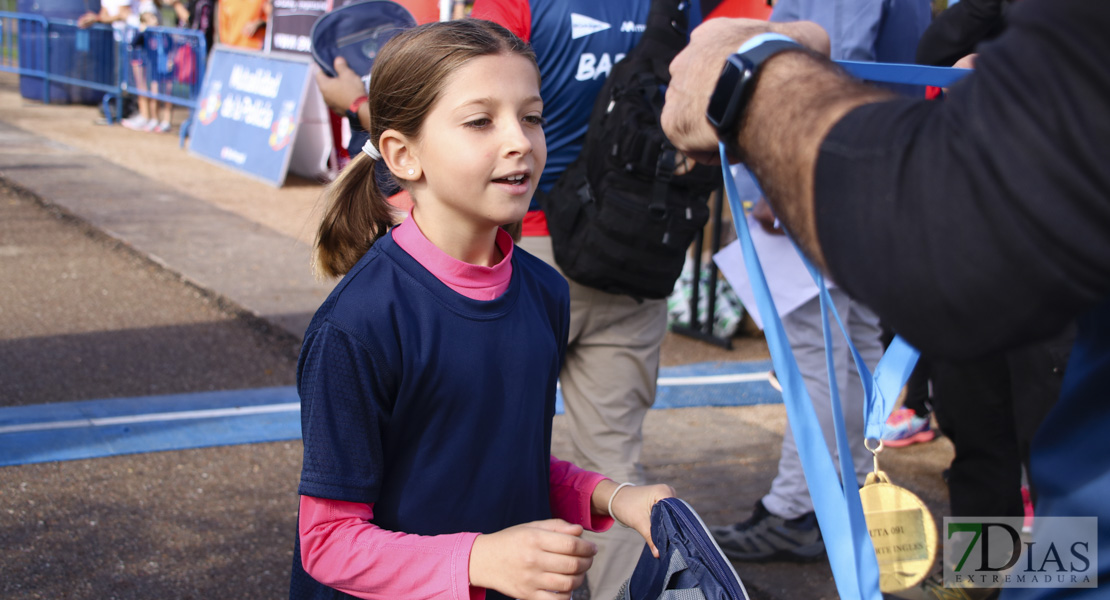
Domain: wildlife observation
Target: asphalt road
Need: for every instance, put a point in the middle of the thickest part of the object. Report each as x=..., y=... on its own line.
x=83, y=318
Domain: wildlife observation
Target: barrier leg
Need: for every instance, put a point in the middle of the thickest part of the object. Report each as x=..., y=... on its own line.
x=104, y=102
x=185, y=125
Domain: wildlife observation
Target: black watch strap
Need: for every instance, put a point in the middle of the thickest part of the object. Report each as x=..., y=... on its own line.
x=729, y=101
x=757, y=56
x=766, y=50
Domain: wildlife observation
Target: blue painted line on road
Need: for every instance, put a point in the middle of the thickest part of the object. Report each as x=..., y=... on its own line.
x=98, y=428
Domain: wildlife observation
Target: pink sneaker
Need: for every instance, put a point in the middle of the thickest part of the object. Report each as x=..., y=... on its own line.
x=904, y=427
x=1027, y=502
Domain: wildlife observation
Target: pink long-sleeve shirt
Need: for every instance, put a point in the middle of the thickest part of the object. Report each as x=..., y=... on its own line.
x=341, y=548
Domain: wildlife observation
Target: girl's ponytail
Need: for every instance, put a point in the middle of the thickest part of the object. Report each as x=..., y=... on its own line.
x=356, y=214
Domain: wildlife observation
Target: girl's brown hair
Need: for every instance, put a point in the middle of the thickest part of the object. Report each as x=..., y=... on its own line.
x=407, y=78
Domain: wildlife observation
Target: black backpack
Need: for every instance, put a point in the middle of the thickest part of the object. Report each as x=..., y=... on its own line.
x=620, y=219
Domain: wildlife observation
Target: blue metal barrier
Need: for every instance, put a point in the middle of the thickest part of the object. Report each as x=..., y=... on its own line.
x=81, y=59
x=23, y=46
x=69, y=62
x=55, y=59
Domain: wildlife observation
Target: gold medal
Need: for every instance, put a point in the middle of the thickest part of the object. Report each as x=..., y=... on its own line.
x=902, y=530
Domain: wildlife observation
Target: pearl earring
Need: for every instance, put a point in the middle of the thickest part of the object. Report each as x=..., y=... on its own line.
x=412, y=171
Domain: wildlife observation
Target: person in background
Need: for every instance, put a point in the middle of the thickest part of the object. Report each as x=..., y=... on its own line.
x=129, y=19
x=117, y=13
x=428, y=377
x=242, y=23
x=345, y=94
x=199, y=15
x=149, y=58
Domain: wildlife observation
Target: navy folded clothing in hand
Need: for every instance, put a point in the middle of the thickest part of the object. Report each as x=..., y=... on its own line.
x=690, y=566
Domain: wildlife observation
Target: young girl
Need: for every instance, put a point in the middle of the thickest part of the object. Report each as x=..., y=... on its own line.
x=427, y=378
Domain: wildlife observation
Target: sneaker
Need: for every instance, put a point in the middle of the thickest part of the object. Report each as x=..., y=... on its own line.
x=135, y=122
x=765, y=536
x=158, y=126
x=1027, y=504
x=904, y=427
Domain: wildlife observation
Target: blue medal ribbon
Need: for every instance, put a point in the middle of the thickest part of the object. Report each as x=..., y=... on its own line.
x=836, y=501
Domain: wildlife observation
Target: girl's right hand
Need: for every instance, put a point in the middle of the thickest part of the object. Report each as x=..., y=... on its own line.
x=541, y=560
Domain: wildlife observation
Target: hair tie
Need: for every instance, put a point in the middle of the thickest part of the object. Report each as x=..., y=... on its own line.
x=371, y=151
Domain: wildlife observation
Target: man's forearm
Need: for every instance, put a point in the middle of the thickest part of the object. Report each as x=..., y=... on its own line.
x=798, y=99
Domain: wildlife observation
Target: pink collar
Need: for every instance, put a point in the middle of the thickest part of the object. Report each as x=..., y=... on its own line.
x=473, y=281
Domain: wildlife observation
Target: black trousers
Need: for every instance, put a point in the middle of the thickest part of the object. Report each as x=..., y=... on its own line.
x=918, y=395
x=991, y=408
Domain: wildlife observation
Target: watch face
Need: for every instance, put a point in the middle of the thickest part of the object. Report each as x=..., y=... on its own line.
x=724, y=103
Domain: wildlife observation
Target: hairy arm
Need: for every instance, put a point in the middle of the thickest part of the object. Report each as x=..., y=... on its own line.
x=797, y=101
x=799, y=97
x=969, y=225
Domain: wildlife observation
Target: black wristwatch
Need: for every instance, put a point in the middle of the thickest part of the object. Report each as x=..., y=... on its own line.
x=734, y=88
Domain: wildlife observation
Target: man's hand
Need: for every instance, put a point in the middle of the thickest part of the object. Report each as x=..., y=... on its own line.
x=88, y=20
x=252, y=27
x=340, y=91
x=695, y=70
x=967, y=62
x=542, y=560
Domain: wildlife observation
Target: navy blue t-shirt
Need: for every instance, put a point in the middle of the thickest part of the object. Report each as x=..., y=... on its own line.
x=433, y=407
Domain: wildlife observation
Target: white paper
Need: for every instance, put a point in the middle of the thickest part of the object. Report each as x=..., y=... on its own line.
x=790, y=282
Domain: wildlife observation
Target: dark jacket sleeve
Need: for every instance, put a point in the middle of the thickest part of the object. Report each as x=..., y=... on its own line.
x=958, y=30
x=981, y=221
x=358, y=138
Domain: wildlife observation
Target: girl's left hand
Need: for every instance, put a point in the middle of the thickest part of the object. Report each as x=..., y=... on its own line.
x=632, y=507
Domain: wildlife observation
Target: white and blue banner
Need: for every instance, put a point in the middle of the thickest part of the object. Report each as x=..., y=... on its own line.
x=249, y=111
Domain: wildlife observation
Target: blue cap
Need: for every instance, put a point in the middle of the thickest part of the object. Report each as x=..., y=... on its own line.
x=357, y=32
